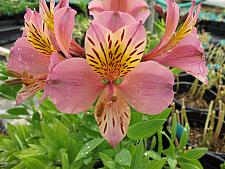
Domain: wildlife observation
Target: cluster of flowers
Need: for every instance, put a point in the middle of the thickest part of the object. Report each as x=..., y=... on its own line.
x=112, y=68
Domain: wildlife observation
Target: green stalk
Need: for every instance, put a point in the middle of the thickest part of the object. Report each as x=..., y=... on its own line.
x=207, y=119
x=220, y=121
x=211, y=127
x=193, y=88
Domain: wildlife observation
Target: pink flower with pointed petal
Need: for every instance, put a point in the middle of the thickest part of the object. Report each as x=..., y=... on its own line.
x=181, y=49
x=56, y=22
x=30, y=57
x=75, y=84
x=137, y=8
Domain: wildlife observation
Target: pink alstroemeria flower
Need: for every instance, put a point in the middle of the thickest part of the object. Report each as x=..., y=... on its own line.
x=114, y=74
x=181, y=49
x=137, y=8
x=31, y=55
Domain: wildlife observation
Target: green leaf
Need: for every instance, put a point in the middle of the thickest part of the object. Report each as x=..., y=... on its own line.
x=172, y=163
x=88, y=147
x=188, y=166
x=65, y=161
x=174, y=127
x=164, y=115
x=184, y=137
x=190, y=161
x=8, y=116
x=135, y=117
x=87, y=160
x=152, y=154
x=195, y=153
x=137, y=155
x=36, y=162
x=18, y=111
x=157, y=164
x=145, y=129
x=176, y=71
x=108, y=162
x=123, y=157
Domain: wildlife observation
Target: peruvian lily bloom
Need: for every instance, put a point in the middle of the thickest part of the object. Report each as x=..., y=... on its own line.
x=137, y=8
x=112, y=74
x=30, y=57
x=181, y=49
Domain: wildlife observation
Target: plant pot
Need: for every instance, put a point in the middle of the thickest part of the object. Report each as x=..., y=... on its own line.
x=184, y=87
x=184, y=77
x=216, y=28
x=10, y=30
x=211, y=161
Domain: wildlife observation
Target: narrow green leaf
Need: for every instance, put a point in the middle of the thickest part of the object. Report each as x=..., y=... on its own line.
x=184, y=137
x=152, y=154
x=176, y=71
x=123, y=157
x=188, y=166
x=172, y=163
x=65, y=161
x=174, y=127
x=145, y=129
x=157, y=164
x=18, y=111
x=195, y=153
x=88, y=147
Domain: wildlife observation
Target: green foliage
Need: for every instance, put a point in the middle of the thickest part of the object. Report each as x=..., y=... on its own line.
x=12, y=7
x=81, y=26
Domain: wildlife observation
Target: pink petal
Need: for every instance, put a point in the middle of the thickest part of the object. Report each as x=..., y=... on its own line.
x=34, y=18
x=62, y=4
x=73, y=86
x=113, y=55
x=29, y=91
x=64, y=23
x=172, y=19
x=75, y=49
x=24, y=58
x=113, y=117
x=114, y=20
x=148, y=88
x=188, y=56
x=137, y=8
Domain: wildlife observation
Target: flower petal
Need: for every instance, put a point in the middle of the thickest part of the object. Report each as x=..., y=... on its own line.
x=24, y=58
x=47, y=14
x=64, y=23
x=172, y=19
x=73, y=86
x=62, y=4
x=148, y=88
x=113, y=117
x=188, y=56
x=29, y=91
x=37, y=33
x=113, y=55
x=75, y=49
x=114, y=20
x=137, y=8
x=169, y=40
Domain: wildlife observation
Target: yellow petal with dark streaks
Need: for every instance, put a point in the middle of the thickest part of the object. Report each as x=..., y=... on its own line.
x=113, y=55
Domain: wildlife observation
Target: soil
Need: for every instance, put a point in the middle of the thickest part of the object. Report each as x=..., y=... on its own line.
x=191, y=101
x=196, y=135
